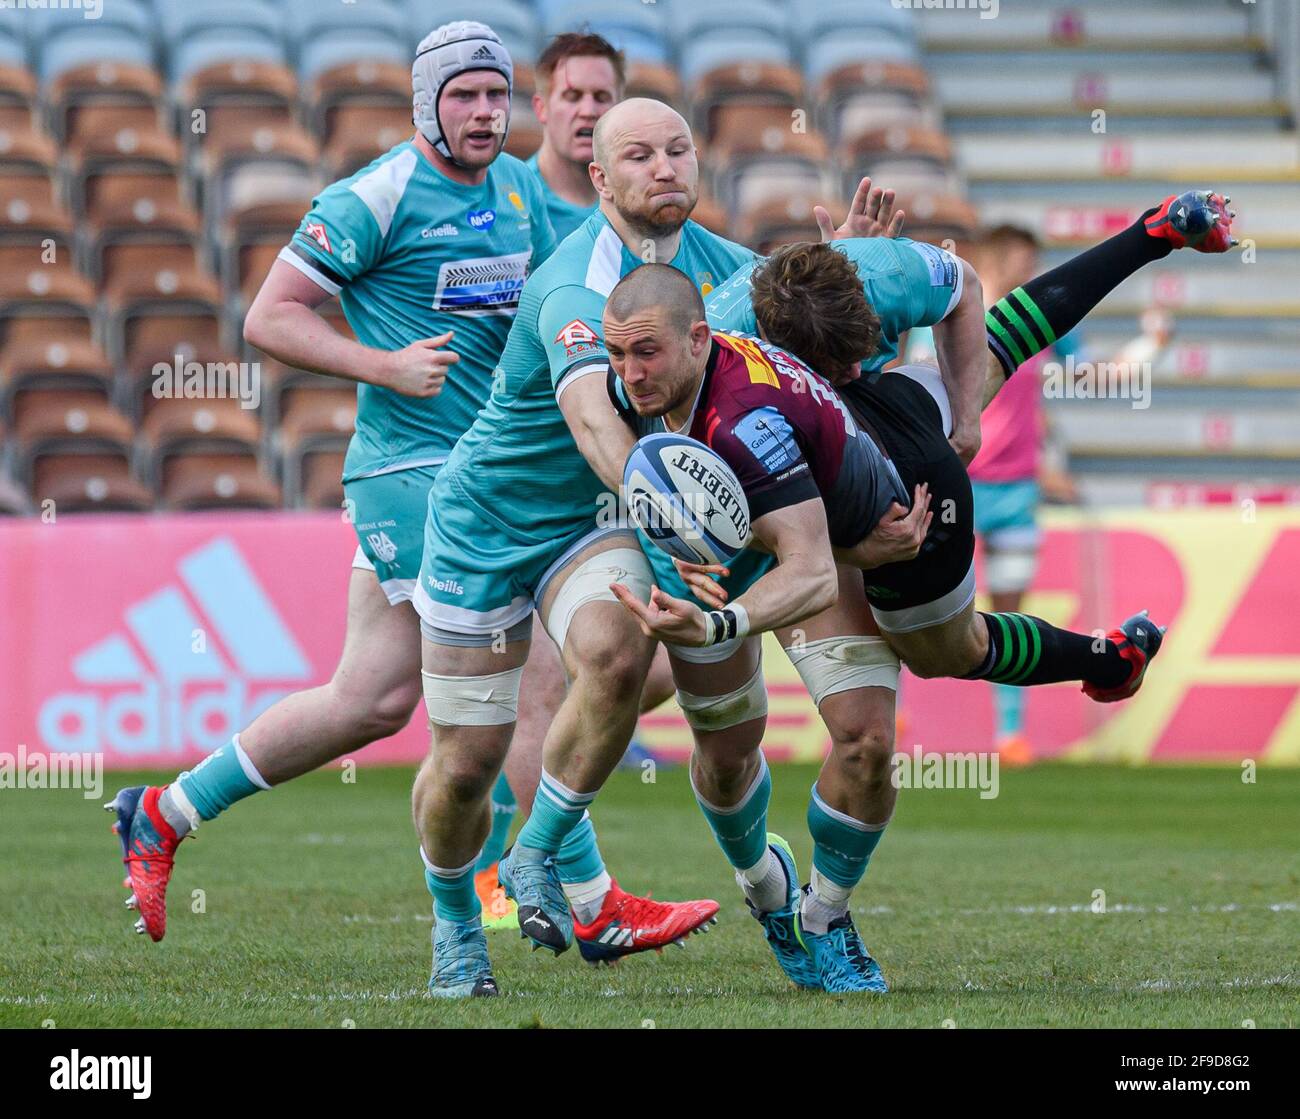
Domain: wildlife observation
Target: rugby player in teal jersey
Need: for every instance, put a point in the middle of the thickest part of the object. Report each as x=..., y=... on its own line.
x=579, y=78
x=518, y=521
x=427, y=248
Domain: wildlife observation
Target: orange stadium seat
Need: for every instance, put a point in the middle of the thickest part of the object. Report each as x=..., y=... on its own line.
x=655, y=79
x=52, y=364
x=744, y=85
x=67, y=421
x=214, y=481
x=781, y=221
x=358, y=83
x=359, y=133
x=98, y=85
x=321, y=481
x=171, y=427
x=139, y=153
x=312, y=421
x=84, y=483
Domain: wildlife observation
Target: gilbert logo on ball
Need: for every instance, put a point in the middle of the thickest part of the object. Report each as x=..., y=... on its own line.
x=686, y=499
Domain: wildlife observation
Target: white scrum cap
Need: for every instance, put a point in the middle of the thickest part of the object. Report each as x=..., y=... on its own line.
x=452, y=49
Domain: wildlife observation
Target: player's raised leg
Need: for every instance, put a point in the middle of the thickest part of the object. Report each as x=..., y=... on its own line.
x=721, y=692
x=852, y=676
x=1031, y=317
x=371, y=695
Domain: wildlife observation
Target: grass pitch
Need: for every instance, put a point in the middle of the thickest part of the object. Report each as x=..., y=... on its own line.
x=313, y=911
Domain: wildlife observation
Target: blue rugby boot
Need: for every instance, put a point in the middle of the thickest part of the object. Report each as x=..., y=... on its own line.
x=460, y=961
x=530, y=880
x=779, y=924
x=842, y=960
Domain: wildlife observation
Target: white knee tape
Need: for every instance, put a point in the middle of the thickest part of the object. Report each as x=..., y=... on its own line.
x=589, y=582
x=718, y=712
x=472, y=701
x=1006, y=572
x=840, y=664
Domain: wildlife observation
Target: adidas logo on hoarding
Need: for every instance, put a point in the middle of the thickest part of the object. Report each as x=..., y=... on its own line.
x=182, y=673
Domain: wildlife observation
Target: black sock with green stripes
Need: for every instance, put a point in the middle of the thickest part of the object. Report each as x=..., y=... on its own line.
x=1024, y=651
x=1032, y=317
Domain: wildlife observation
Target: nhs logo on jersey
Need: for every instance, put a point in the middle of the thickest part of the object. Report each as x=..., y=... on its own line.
x=486, y=285
x=482, y=220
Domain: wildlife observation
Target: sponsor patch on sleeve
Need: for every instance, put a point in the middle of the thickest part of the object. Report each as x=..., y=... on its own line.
x=576, y=335
x=316, y=231
x=941, y=264
x=769, y=439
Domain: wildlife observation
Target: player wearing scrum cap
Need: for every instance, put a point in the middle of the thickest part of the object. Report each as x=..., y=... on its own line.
x=427, y=249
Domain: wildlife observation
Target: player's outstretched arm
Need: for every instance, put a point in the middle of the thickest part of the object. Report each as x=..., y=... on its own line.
x=803, y=583
x=961, y=344
x=604, y=439
x=282, y=322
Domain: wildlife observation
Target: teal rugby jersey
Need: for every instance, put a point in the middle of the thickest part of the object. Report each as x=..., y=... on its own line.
x=565, y=216
x=518, y=464
x=412, y=254
x=908, y=283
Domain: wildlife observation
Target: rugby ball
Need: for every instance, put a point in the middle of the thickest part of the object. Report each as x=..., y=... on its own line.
x=686, y=499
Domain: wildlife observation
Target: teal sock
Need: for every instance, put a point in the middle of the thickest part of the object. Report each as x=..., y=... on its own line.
x=557, y=810
x=453, y=893
x=842, y=846
x=219, y=780
x=741, y=830
x=1010, y=706
x=578, y=859
x=503, y=814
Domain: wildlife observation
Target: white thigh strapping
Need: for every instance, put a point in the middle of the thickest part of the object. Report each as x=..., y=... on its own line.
x=472, y=701
x=718, y=712
x=1009, y=572
x=589, y=582
x=927, y=376
x=841, y=664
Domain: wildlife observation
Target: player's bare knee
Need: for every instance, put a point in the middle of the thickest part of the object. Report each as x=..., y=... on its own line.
x=865, y=750
x=612, y=670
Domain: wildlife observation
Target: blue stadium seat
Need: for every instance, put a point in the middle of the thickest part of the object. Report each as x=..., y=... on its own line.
x=702, y=55
x=690, y=20
x=13, y=51
x=77, y=46
x=837, y=17
x=318, y=55
x=221, y=46
x=377, y=27
x=638, y=29
x=834, y=50
x=257, y=18
x=514, y=20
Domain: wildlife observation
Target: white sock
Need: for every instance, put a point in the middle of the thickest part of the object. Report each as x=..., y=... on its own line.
x=824, y=902
x=587, y=897
x=765, y=883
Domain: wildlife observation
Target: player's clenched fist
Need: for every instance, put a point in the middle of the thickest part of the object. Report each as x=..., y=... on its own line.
x=420, y=369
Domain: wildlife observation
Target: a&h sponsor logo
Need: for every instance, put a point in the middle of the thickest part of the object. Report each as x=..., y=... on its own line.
x=194, y=661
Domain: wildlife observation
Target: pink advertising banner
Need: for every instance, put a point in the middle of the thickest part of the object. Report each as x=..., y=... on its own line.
x=151, y=639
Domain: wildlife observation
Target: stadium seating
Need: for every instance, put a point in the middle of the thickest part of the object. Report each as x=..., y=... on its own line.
x=154, y=161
